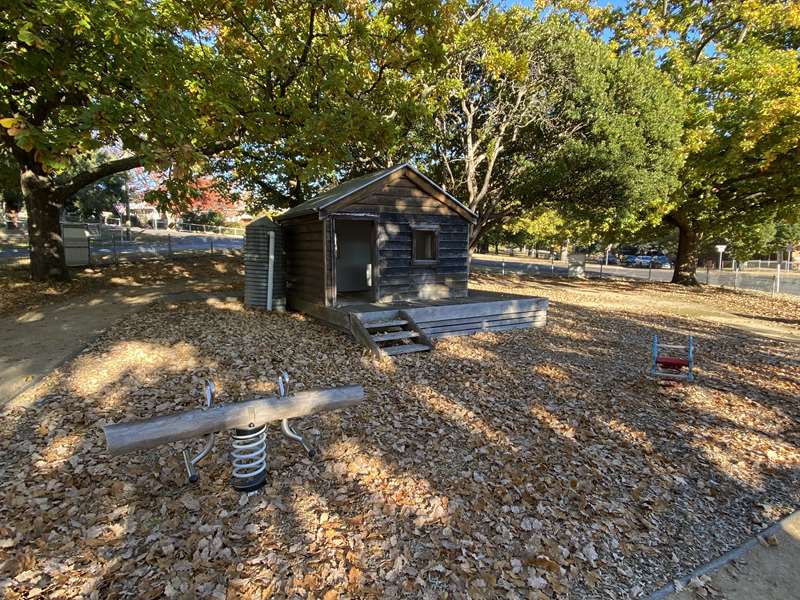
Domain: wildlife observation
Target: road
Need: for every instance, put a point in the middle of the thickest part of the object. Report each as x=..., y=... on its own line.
x=542, y=267
x=763, y=281
x=104, y=250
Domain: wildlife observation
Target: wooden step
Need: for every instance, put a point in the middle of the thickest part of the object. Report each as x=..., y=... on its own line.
x=405, y=349
x=394, y=335
x=385, y=324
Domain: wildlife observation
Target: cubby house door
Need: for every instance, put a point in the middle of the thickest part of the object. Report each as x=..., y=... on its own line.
x=355, y=253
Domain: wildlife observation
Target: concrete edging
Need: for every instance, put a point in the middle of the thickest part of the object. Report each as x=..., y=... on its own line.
x=729, y=556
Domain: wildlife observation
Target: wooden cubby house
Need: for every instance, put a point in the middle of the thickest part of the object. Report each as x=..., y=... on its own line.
x=385, y=257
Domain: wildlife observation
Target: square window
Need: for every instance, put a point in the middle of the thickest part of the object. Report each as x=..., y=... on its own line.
x=425, y=245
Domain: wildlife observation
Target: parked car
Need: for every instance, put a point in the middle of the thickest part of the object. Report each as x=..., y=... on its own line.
x=643, y=261
x=629, y=260
x=661, y=262
x=612, y=260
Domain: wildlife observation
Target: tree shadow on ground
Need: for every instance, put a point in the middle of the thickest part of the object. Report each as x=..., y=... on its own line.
x=528, y=462
x=784, y=320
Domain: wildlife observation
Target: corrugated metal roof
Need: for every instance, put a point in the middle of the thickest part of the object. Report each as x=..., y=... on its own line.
x=341, y=191
x=261, y=223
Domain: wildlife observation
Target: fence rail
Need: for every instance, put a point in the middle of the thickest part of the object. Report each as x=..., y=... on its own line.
x=114, y=250
x=763, y=265
x=218, y=229
x=116, y=223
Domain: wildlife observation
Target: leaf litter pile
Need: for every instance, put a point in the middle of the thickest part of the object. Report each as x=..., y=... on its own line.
x=523, y=464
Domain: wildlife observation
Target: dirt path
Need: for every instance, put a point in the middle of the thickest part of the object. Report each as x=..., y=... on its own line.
x=37, y=341
x=758, y=327
x=767, y=570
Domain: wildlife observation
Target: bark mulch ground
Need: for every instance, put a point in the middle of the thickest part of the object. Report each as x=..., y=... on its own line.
x=18, y=293
x=524, y=464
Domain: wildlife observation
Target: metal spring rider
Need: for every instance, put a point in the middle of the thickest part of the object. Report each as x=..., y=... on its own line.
x=664, y=366
x=249, y=453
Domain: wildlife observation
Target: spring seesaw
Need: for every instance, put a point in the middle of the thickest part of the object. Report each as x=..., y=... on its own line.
x=246, y=420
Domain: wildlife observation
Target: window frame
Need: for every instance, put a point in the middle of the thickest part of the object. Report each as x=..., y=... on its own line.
x=424, y=261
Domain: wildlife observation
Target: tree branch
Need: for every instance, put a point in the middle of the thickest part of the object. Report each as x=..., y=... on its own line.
x=303, y=56
x=89, y=176
x=273, y=192
x=23, y=158
x=709, y=37
x=98, y=172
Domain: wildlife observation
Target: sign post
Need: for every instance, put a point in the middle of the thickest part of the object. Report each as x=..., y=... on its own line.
x=721, y=249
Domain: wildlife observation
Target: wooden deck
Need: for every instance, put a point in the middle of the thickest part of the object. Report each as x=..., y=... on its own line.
x=409, y=326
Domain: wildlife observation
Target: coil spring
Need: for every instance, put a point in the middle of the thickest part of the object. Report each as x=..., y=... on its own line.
x=249, y=454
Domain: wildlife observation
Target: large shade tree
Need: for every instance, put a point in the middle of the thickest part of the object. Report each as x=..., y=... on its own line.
x=738, y=65
x=498, y=83
x=173, y=82
x=614, y=166
x=538, y=114
x=338, y=92
x=77, y=76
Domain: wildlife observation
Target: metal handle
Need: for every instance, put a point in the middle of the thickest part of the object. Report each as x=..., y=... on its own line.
x=283, y=390
x=191, y=463
x=283, y=384
x=293, y=435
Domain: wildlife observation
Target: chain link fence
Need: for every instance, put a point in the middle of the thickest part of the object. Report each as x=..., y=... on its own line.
x=114, y=250
x=770, y=276
x=106, y=243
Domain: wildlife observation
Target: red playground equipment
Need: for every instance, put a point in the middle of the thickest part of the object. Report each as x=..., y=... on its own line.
x=673, y=367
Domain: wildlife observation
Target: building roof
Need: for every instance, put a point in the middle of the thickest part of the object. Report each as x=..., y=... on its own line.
x=347, y=188
x=262, y=223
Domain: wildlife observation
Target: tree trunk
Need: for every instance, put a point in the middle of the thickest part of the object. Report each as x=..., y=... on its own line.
x=476, y=235
x=44, y=227
x=688, y=253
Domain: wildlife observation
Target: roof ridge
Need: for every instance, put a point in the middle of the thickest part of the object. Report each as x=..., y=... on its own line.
x=346, y=188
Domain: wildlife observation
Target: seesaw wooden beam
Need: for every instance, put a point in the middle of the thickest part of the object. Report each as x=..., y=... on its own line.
x=150, y=433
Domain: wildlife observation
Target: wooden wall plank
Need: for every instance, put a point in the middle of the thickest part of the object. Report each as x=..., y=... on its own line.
x=305, y=260
x=478, y=309
x=400, y=203
x=499, y=319
x=488, y=329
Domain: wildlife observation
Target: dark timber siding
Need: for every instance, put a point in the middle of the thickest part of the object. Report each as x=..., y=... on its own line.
x=399, y=205
x=305, y=260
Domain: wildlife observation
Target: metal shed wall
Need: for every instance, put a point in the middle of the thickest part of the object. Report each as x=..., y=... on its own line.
x=257, y=265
